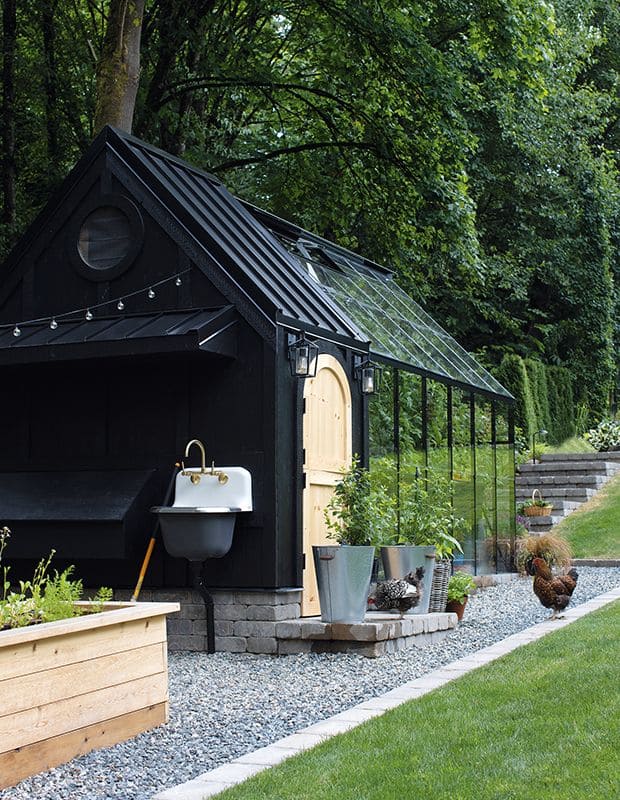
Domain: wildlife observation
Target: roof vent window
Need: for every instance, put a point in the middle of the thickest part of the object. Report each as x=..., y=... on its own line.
x=104, y=238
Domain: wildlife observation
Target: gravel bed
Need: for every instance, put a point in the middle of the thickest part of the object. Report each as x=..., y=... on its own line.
x=225, y=705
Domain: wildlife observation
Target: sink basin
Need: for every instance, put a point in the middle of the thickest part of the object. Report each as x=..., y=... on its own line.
x=209, y=491
x=201, y=521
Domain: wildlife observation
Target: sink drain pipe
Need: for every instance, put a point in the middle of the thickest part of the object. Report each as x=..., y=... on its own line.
x=197, y=569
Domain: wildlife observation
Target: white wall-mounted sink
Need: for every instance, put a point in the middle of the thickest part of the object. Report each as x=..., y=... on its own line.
x=209, y=491
x=201, y=521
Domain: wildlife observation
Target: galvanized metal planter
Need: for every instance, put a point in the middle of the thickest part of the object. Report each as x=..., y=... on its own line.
x=70, y=686
x=399, y=560
x=343, y=575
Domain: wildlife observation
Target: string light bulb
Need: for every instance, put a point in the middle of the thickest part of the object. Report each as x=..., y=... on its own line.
x=89, y=314
x=178, y=281
x=151, y=293
x=53, y=324
x=16, y=331
x=120, y=305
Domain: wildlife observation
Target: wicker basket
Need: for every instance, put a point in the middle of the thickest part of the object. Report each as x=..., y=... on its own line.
x=439, y=587
x=537, y=511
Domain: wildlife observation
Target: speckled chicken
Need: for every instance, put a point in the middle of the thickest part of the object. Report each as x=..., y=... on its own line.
x=400, y=595
x=553, y=591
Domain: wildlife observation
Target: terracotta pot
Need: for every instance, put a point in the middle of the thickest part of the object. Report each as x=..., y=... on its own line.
x=457, y=608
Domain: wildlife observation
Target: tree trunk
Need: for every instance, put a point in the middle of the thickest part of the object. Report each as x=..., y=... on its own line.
x=50, y=78
x=118, y=72
x=9, y=25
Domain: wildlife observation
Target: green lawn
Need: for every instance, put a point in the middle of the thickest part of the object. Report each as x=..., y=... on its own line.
x=594, y=529
x=539, y=724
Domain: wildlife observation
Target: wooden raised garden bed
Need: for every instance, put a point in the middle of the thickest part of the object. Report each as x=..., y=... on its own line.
x=71, y=686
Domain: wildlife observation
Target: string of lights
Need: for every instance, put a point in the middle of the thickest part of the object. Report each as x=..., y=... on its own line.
x=88, y=312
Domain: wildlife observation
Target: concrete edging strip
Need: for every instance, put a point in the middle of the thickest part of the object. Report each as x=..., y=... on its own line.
x=216, y=780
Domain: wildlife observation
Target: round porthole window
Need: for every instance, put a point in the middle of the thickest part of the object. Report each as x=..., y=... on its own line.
x=106, y=238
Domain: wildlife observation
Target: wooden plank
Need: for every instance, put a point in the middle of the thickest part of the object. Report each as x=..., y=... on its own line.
x=60, y=683
x=25, y=761
x=40, y=655
x=54, y=719
x=114, y=613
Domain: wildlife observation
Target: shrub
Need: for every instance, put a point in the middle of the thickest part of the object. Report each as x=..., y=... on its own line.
x=512, y=374
x=537, y=375
x=562, y=410
x=606, y=435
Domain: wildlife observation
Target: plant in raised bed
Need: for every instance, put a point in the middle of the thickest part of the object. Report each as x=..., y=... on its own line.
x=72, y=679
x=46, y=597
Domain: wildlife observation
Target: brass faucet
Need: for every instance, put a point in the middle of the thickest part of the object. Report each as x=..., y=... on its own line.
x=195, y=476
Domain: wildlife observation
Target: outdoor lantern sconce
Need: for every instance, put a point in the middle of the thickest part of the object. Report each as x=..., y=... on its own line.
x=302, y=356
x=541, y=432
x=369, y=376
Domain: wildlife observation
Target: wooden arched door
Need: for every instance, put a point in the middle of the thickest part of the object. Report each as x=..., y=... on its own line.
x=327, y=448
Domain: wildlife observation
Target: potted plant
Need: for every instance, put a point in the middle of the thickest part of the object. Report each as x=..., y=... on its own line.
x=75, y=675
x=357, y=517
x=427, y=521
x=551, y=547
x=536, y=507
x=460, y=586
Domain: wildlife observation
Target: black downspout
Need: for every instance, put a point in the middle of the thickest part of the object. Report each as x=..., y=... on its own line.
x=197, y=571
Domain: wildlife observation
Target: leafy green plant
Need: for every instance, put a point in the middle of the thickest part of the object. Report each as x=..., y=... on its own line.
x=427, y=517
x=45, y=597
x=460, y=586
x=360, y=511
x=606, y=435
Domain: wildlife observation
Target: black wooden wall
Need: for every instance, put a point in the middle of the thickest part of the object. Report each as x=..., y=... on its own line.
x=139, y=413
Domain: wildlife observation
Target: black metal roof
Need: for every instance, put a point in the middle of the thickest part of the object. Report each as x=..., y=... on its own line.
x=273, y=272
x=192, y=330
x=247, y=251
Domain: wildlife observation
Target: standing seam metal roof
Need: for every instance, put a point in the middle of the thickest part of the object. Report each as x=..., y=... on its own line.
x=258, y=257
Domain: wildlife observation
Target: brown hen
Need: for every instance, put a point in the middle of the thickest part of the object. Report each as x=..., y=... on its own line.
x=553, y=591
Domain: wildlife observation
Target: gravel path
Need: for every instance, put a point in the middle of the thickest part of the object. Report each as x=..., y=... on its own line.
x=225, y=705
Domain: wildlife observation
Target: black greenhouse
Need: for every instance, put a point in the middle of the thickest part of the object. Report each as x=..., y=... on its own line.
x=146, y=307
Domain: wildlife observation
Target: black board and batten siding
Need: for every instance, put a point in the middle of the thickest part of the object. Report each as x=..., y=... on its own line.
x=95, y=412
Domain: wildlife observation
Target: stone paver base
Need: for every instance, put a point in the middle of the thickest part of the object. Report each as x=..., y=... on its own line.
x=377, y=635
x=211, y=783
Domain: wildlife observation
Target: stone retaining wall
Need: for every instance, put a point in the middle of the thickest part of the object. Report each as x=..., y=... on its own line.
x=245, y=621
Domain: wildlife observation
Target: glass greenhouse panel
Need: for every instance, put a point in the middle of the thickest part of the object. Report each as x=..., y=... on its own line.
x=505, y=476
x=397, y=327
x=463, y=473
x=486, y=504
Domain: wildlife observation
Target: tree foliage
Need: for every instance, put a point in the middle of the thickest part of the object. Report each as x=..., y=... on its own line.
x=472, y=146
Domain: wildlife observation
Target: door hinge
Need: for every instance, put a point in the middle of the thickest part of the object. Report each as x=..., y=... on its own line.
x=303, y=561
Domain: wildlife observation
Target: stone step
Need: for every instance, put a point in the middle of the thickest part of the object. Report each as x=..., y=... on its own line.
x=546, y=521
x=572, y=494
x=569, y=467
x=543, y=525
x=536, y=479
x=559, y=506
x=612, y=455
